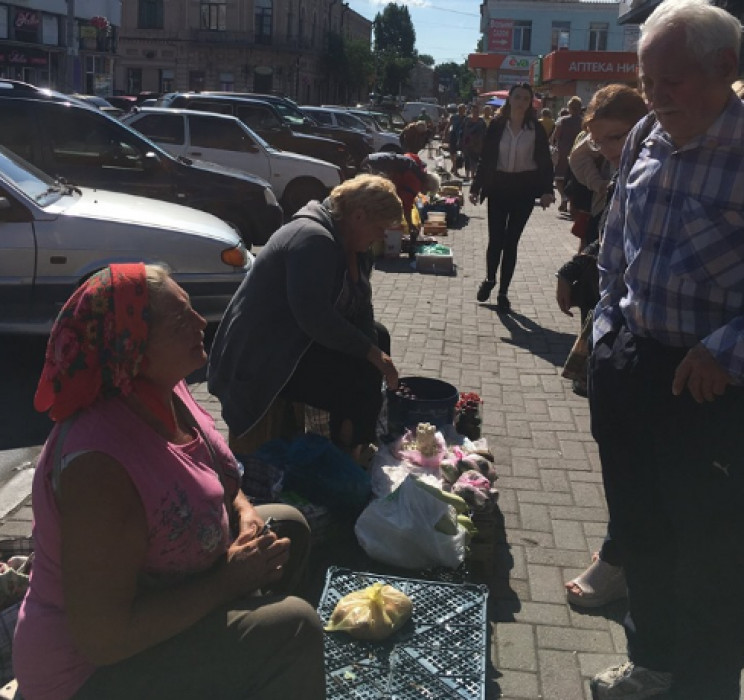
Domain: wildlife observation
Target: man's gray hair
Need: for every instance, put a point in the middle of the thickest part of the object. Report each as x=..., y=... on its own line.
x=708, y=28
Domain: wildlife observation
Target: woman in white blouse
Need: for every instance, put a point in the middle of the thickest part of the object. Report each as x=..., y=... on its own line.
x=515, y=169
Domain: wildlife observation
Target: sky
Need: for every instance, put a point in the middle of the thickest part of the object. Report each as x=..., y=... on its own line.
x=448, y=30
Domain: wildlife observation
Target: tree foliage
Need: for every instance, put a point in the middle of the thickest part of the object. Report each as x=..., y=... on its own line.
x=349, y=63
x=426, y=59
x=457, y=80
x=395, y=48
x=394, y=32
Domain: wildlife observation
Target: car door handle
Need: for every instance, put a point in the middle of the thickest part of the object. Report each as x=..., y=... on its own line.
x=195, y=153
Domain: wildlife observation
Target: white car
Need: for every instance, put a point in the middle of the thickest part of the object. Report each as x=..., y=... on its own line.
x=227, y=141
x=54, y=235
x=378, y=139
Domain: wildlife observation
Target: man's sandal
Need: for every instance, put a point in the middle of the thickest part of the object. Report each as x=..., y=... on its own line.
x=600, y=584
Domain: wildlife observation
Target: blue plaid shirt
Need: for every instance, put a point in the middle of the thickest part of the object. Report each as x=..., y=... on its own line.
x=671, y=263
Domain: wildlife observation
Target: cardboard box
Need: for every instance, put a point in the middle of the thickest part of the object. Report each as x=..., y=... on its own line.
x=434, y=228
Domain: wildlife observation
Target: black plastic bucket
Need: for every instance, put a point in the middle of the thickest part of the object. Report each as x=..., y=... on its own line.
x=433, y=401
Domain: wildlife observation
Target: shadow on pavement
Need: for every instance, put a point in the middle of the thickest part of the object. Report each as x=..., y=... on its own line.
x=546, y=343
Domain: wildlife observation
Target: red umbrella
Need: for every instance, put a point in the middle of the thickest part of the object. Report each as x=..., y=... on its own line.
x=500, y=97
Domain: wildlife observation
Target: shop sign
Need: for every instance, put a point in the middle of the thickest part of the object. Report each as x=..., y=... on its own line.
x=27, y=20
x=500, y=34
x=87, y=32
x=517, y=63
x=17, y=57
x=605, y=66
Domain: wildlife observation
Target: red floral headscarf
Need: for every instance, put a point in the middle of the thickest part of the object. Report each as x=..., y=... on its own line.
x=97, y=344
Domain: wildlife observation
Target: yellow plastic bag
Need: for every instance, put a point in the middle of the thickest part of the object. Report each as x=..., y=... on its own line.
x=372, y=613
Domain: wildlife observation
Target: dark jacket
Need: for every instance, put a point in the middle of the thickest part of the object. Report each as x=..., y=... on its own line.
x=288, y=300
x=484, y=182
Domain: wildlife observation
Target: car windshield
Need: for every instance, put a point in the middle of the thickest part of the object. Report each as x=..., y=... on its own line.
x=291, y=114
x=30, y=180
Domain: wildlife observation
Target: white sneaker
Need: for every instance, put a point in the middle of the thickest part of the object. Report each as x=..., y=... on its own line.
x=629, y=682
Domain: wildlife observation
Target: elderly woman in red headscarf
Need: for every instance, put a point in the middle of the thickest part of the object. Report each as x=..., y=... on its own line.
x=150, y=561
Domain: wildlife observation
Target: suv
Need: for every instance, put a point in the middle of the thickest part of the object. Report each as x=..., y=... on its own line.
x=356, y=119
x=359, y=144
x=225, y=140
x=86, y=147
x=56, y=235
x=267, y=122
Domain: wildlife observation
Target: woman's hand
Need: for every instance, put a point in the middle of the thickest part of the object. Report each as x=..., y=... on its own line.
x=385, y=364
x=563, y=295
x=249, y=521
x=546, y=200
x=254, y=563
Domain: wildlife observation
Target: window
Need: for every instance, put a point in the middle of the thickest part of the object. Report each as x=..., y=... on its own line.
x=289, y=21
x=84, y=139
x=349, y=121
x=560, y=35
x=167, y=80
x=17, y=128
x=163, y=128
x=257, y=117
x=222, y=134
x=134, y=81
x=522, y=35
x=207, y=106
x=150, y=14
x=263, y=20
x=227, y=82
x=323, y=118
x=196, y=80
x=3, y=21
x=50, y=30
x=213, y=16
x=598, y=36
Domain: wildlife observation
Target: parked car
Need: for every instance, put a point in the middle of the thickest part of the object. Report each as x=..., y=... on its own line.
x=54, y=235
x=123, y=102
x=381, y=140
x=87, y=147
x=359, y=144
x=225, y=140
x=100, y=103
x=266, y=121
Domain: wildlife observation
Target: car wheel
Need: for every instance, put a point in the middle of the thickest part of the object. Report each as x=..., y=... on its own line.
x=299, y=192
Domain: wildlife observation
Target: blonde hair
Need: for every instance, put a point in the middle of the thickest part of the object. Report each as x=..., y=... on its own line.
x=738, y=88
x=156, y=275
x=373, y=194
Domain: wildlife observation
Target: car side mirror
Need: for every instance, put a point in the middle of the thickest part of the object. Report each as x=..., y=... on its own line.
x=151, y=161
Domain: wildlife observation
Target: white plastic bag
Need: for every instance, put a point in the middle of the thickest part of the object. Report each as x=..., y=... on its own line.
x=399, y=530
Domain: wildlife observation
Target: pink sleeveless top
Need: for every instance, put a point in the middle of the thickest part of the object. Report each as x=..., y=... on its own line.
x=186, y=520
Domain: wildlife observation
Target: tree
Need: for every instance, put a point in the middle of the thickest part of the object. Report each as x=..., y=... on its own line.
x=349, y=64
x=394, y=32
x=426, y=59
x=395, y=52
x=457, y=80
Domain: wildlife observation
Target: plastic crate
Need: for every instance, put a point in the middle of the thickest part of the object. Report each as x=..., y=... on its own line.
x=440, y=653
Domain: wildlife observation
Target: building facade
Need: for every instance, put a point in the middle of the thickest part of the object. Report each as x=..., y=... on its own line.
x=255, y=46
x=516, y=33
x=68, y=45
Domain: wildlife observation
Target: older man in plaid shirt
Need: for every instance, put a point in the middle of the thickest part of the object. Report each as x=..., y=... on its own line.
x=667, y=401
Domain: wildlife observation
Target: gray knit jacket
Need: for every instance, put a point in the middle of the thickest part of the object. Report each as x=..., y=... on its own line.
x=286, y=302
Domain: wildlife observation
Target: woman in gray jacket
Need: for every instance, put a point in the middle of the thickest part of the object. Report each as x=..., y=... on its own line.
x=301, y=324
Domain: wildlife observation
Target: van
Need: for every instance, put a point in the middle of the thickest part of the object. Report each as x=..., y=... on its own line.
x=411, y=110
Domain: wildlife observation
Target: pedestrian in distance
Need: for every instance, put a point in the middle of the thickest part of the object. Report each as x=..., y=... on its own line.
x=473, y=134
x=154, y=575
x=547, y=121
x=514, y=169
x=454, y=135
x=564, y=135
x=667, y=370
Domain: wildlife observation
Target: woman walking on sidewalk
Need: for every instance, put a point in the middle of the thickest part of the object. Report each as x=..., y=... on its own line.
x=515, y=168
